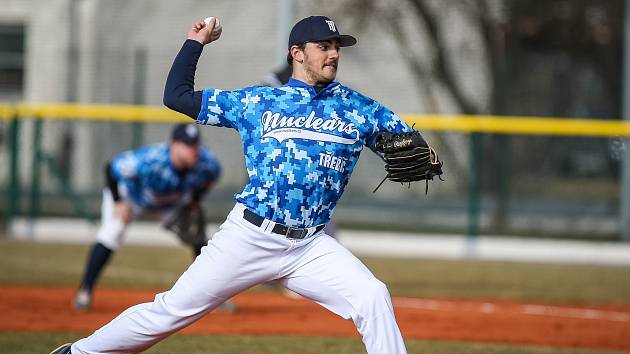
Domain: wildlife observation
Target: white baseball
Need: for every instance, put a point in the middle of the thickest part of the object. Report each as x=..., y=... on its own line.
x=217, y=25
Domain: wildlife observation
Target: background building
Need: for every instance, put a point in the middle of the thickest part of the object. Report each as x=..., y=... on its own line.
x=556, y=58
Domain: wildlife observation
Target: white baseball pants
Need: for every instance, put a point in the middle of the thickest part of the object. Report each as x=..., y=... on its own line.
x=112, y=231
x=241, y=255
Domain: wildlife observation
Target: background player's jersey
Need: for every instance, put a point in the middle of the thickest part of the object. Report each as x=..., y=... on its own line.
x=148, y=179
x=300, y=145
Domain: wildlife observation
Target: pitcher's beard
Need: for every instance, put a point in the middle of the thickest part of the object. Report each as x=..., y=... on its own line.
x=318, y=79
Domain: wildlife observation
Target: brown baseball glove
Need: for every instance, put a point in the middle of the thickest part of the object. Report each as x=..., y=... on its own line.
x=189, y=224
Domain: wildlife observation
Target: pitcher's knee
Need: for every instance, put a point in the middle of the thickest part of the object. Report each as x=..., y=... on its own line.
x=375, y=297
x=168, y=317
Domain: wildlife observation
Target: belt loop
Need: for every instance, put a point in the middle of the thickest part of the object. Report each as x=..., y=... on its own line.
x=265, y=225
x=270, y=226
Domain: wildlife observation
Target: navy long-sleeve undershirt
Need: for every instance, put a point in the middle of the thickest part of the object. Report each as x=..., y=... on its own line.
x=179, y=93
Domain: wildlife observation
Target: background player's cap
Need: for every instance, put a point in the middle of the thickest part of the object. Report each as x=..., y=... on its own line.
x=186, y=133
x=318, y=28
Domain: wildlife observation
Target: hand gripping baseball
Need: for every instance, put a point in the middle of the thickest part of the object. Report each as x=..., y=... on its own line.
x=408, y=158
x=206, y=31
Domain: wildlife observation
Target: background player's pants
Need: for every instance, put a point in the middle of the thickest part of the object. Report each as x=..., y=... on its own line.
x=241, y=255
x=112, y=230
x=108, y=240
x=111, y=235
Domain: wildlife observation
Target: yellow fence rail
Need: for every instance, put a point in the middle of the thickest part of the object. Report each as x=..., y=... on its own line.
x=450, y=123
x=12, y=114
x=121, y=113
x=521, y=125
x=6, y=111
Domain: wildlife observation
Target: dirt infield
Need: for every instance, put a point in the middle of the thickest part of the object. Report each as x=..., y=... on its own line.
x=33, y=309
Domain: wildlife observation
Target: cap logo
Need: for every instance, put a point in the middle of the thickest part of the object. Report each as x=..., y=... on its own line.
x=331, y=25
x=191, y=131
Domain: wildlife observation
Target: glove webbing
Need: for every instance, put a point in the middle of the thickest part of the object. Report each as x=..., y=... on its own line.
x=426, y=188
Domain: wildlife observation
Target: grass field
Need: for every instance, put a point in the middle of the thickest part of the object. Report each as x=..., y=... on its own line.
x=23, y=343
x=25, y=263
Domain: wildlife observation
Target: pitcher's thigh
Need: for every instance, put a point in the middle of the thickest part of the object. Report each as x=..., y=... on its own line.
x=333, y=277
x=223, y=269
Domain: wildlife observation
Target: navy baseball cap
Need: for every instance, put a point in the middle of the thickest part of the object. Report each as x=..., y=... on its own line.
x=186, y=133
x=318, y=28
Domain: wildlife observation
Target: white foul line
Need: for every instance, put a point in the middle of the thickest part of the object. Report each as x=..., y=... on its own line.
x=525, y=309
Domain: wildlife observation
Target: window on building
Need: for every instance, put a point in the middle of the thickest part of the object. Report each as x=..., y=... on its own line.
x=11, y=61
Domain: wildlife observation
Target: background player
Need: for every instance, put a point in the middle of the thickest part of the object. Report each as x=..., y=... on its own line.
x=168, y=179
x=301, y=142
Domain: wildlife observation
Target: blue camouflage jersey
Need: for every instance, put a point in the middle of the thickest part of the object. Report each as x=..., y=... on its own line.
x=300, y=145
x=149, y=179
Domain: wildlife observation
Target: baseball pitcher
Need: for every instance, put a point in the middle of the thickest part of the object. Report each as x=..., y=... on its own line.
x=301, y=142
